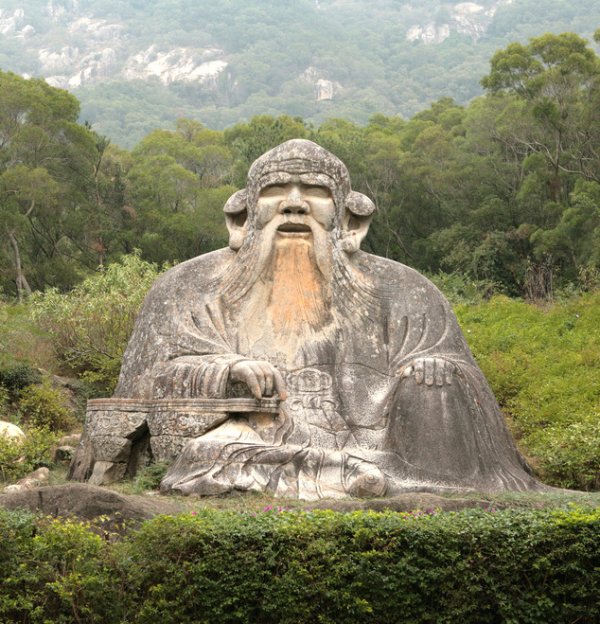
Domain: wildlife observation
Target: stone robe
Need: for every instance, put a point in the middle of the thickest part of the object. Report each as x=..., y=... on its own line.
x=355, y=422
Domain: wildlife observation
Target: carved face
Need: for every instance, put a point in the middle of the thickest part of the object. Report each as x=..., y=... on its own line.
x=296, y=187
x=295, y=208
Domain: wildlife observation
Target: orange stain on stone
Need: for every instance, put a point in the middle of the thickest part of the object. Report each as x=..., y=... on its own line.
x=298, y=300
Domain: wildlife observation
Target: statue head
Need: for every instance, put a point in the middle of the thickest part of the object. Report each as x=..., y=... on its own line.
x=295, y=187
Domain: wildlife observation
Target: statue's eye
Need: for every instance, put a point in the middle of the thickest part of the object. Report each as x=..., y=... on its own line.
x=274, y=190
x=318, y=192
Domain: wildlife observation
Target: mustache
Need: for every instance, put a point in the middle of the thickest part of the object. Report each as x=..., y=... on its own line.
x=258, y=250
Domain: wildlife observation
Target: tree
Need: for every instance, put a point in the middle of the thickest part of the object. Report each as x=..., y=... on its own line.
x=250, y=140
x=46, y=166
x=558, y=76
x=175, y=188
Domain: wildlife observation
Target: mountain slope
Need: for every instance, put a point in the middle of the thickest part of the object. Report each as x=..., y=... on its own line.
x=136, y=66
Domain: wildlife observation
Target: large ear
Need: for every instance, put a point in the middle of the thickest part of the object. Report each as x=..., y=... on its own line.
x=357, y=218
x=236, y=218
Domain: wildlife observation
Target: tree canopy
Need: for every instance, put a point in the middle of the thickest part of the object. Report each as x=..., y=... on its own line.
x=504, y=191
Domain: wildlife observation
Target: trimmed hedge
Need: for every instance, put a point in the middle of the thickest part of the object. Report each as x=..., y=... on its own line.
x=299, y=567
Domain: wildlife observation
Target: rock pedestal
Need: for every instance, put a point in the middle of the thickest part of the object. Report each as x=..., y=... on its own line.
x=121, y=435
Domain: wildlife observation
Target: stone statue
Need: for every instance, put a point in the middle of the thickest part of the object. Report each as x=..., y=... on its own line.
x=296, y=364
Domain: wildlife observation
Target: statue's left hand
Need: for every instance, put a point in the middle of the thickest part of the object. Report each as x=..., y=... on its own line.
x=430, y=370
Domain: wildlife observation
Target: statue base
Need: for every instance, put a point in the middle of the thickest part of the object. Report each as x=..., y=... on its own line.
x=121, y=435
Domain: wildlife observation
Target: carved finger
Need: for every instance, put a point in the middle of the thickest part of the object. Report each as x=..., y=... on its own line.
x=260, y=376
x=267, y=370
x=252, y=382
x=418, y=367
x=450, y=368
x=406, y=372
x=279, y=384
x=429, y=371
x=440, y=368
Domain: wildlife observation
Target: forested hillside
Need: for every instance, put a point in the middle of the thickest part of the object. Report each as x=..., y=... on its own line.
x=504, y=191
x=138, y=66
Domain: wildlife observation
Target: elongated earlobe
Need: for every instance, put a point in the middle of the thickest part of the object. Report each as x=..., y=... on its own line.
x=359, y=212
x=236, y=219
x=354, y=235
x=238, y=227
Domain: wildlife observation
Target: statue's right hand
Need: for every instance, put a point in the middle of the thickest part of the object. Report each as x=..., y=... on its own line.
x=261, y=377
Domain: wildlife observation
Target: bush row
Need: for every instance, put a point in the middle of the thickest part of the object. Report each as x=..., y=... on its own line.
x=298, y=567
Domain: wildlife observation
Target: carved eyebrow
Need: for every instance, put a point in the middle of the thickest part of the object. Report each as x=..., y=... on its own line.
x=273, y=187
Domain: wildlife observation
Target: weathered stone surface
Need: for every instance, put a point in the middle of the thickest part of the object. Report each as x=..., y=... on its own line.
x=88, y=502
x=111, y=448
x=185, y=424
x=106, y=472
x=113, y=422
x=32, y=480
x=11, y=431
x=165, y=448
x=295, y=364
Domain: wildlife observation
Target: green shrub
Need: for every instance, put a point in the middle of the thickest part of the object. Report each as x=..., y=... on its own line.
x=570, y=455
x=17, y=376
x=44, y=406
x=543, y=364
x=459, y=289
x=10, y=454
x=19, y=457
x=149, y=477
x=90, y=325
x=22, y=342
x=54, y=571
x=470, y=567
x=4, y=402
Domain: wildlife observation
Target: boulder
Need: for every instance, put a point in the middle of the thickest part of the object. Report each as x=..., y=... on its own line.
x=88, y=502
x=32, y=480
x=11, y=431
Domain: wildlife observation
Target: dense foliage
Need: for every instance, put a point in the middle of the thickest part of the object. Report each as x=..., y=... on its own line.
x=293, y=567
x=90, y=326
x=543, y=364
x=505, y=191
x=18, y=458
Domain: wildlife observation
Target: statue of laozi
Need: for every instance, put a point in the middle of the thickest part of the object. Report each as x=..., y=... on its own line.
x=294, y=363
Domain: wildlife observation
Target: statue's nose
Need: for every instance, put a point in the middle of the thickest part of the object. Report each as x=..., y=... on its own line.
x=294, y=203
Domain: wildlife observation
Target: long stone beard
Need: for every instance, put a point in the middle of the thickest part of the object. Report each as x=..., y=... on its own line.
x=300, y=298
x=288, y=292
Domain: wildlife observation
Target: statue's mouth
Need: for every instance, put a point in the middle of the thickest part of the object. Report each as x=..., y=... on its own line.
x=294, y=228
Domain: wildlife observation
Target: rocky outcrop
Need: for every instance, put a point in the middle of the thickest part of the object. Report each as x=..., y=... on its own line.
x=429, y=33
x=96, y=29
x=13, y=23
x=96, y=49
x=472, y=19
x=466, y=18
x=178, y=64
x=32, y=480
x=88, y=502
x=325, y=89
x=58, y=62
